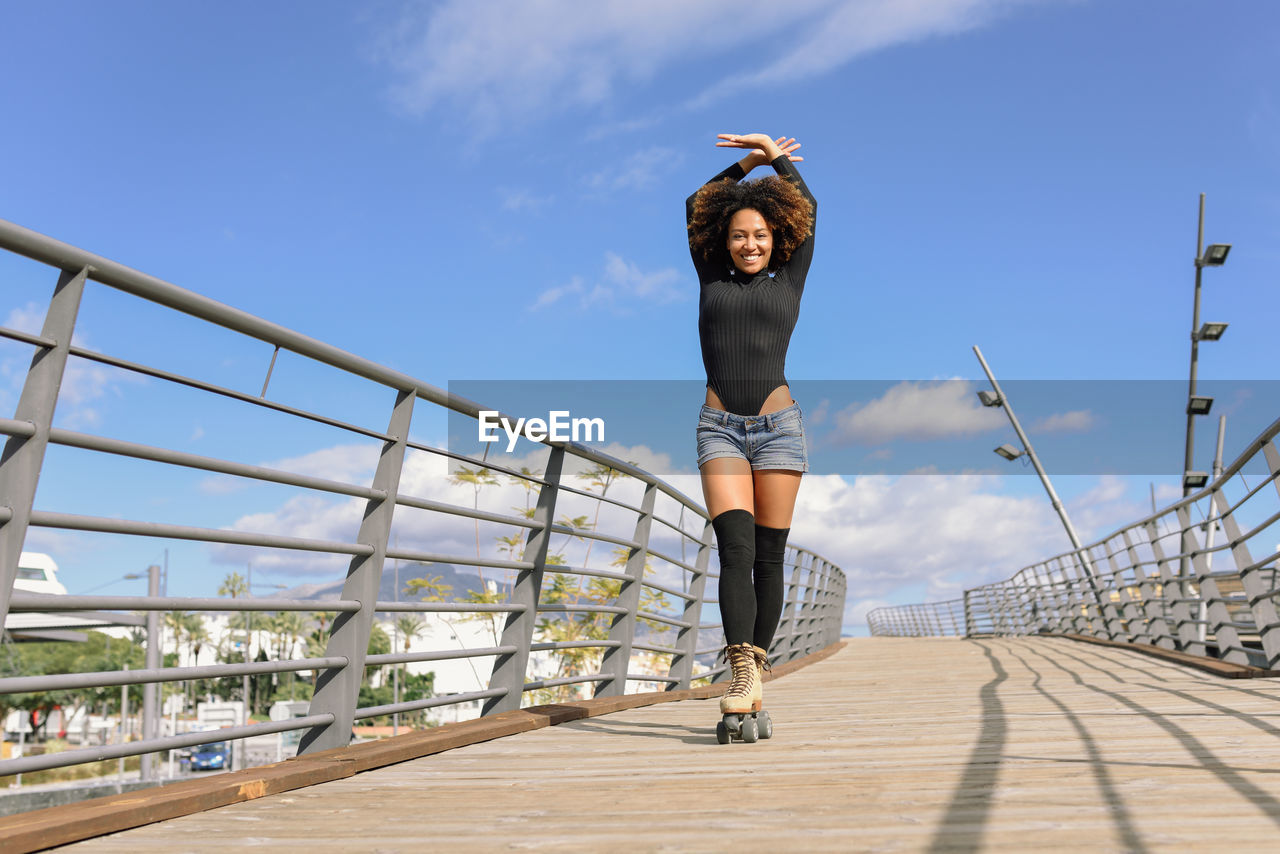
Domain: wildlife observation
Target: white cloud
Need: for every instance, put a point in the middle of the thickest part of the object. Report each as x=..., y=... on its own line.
x=925, y=538
x=523, y=200
x=942, y=534
x=27, y=318
x=85, y=384
x=627, y=280
x=622, y=286
x=1076, y=421
x=639, y=171
x=844, y=31
x=553, y=295
x=504, y=64
x=918, y=411
x=353, y=464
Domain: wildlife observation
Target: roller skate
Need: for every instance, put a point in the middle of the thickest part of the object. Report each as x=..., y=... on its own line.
x=742, y=706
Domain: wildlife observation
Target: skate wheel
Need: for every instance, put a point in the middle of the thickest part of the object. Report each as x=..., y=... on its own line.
x=749, y=730
x=765, y=724
x=722, y=733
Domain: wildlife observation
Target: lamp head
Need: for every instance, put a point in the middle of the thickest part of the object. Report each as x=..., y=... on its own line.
x=990, y=398
x=1211, y=331
x=1215, y=255
x=1199, y=405
x=1009, y=452
x=1194, y=480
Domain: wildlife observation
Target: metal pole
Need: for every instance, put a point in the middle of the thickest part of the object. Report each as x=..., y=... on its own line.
x=248, y=621
x=395, y=647
x=124, y=728
x=1195, y=350
x=150, y=718
x=1212, y=524
x=1035, y=461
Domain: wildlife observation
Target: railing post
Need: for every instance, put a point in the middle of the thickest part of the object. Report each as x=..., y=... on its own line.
x=824, y=609
x=821, y=597
x=338, y=688
x=1173, y=593
x=617, y=660
x=1218, y=615
x=788, y=638
x=687, y=639
x=1257, y=592
x=1157, y=630
x=23, y=455
x=510, y=668
x=807, y=613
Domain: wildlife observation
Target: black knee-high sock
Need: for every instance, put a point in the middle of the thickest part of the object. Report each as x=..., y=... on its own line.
x=735, y=536
x=771, y=546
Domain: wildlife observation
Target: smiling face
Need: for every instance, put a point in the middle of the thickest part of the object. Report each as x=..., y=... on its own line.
x=750, y=241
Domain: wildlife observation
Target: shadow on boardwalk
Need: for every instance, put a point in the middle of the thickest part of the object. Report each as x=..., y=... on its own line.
x=892, y=744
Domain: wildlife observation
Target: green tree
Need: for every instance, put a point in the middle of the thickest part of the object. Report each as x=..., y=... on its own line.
x=99, y=652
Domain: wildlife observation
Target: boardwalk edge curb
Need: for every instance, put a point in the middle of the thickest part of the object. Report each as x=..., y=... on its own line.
x=1216, y=666
x=53, y=826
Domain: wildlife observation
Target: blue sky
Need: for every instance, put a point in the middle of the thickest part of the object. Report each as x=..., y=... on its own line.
x=483, y=191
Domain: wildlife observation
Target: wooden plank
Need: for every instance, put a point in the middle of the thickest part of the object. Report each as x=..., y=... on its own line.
x=1017, y=744
x=60, y=825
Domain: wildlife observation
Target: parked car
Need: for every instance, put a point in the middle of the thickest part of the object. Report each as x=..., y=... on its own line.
x=211, y=757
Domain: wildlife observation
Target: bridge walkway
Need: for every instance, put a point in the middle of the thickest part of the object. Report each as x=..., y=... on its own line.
x=892, y=744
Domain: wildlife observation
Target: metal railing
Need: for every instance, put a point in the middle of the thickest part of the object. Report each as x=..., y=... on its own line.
x=1199, y=576
x=664, y=522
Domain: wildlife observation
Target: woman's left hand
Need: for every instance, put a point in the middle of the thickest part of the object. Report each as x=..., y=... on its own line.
x=764, y=149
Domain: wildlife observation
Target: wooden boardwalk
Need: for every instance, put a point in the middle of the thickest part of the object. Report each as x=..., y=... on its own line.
x=890, y=745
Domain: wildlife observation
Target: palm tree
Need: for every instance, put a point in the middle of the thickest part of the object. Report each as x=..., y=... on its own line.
x=601, y=477
x=409, y=627
x=234, y=585
x=477, y=478
x=290, y=627
x=526, y=481
x=197, y=637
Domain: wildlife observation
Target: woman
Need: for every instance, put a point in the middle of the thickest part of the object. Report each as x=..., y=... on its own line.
x=751, y=245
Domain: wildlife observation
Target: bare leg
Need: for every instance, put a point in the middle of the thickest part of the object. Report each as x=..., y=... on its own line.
x=775, y=496
x=727, y=485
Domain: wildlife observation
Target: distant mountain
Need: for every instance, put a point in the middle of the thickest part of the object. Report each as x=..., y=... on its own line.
x=462, y=581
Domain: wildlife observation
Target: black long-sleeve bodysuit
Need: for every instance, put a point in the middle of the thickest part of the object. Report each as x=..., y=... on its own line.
x=745, y=322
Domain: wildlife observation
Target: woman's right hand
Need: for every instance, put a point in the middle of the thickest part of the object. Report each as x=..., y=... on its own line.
x=763, y=148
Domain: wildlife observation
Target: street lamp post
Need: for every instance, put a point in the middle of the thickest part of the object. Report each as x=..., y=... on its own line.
x=1009, y=452
x=1214, y=256
x=150, y=718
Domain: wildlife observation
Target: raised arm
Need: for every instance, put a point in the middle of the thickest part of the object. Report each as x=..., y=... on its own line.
x=778, y=154
x=761, y=147
x=797, y=265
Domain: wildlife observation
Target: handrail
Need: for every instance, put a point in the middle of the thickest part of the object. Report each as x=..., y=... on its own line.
x=1164, y=580
x=522, y=660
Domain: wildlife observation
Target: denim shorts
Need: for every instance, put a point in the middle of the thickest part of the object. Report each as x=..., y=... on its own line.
x=774, y=440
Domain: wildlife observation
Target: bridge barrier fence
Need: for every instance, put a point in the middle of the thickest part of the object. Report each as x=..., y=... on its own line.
x=1199, y=576
x=651, y=527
